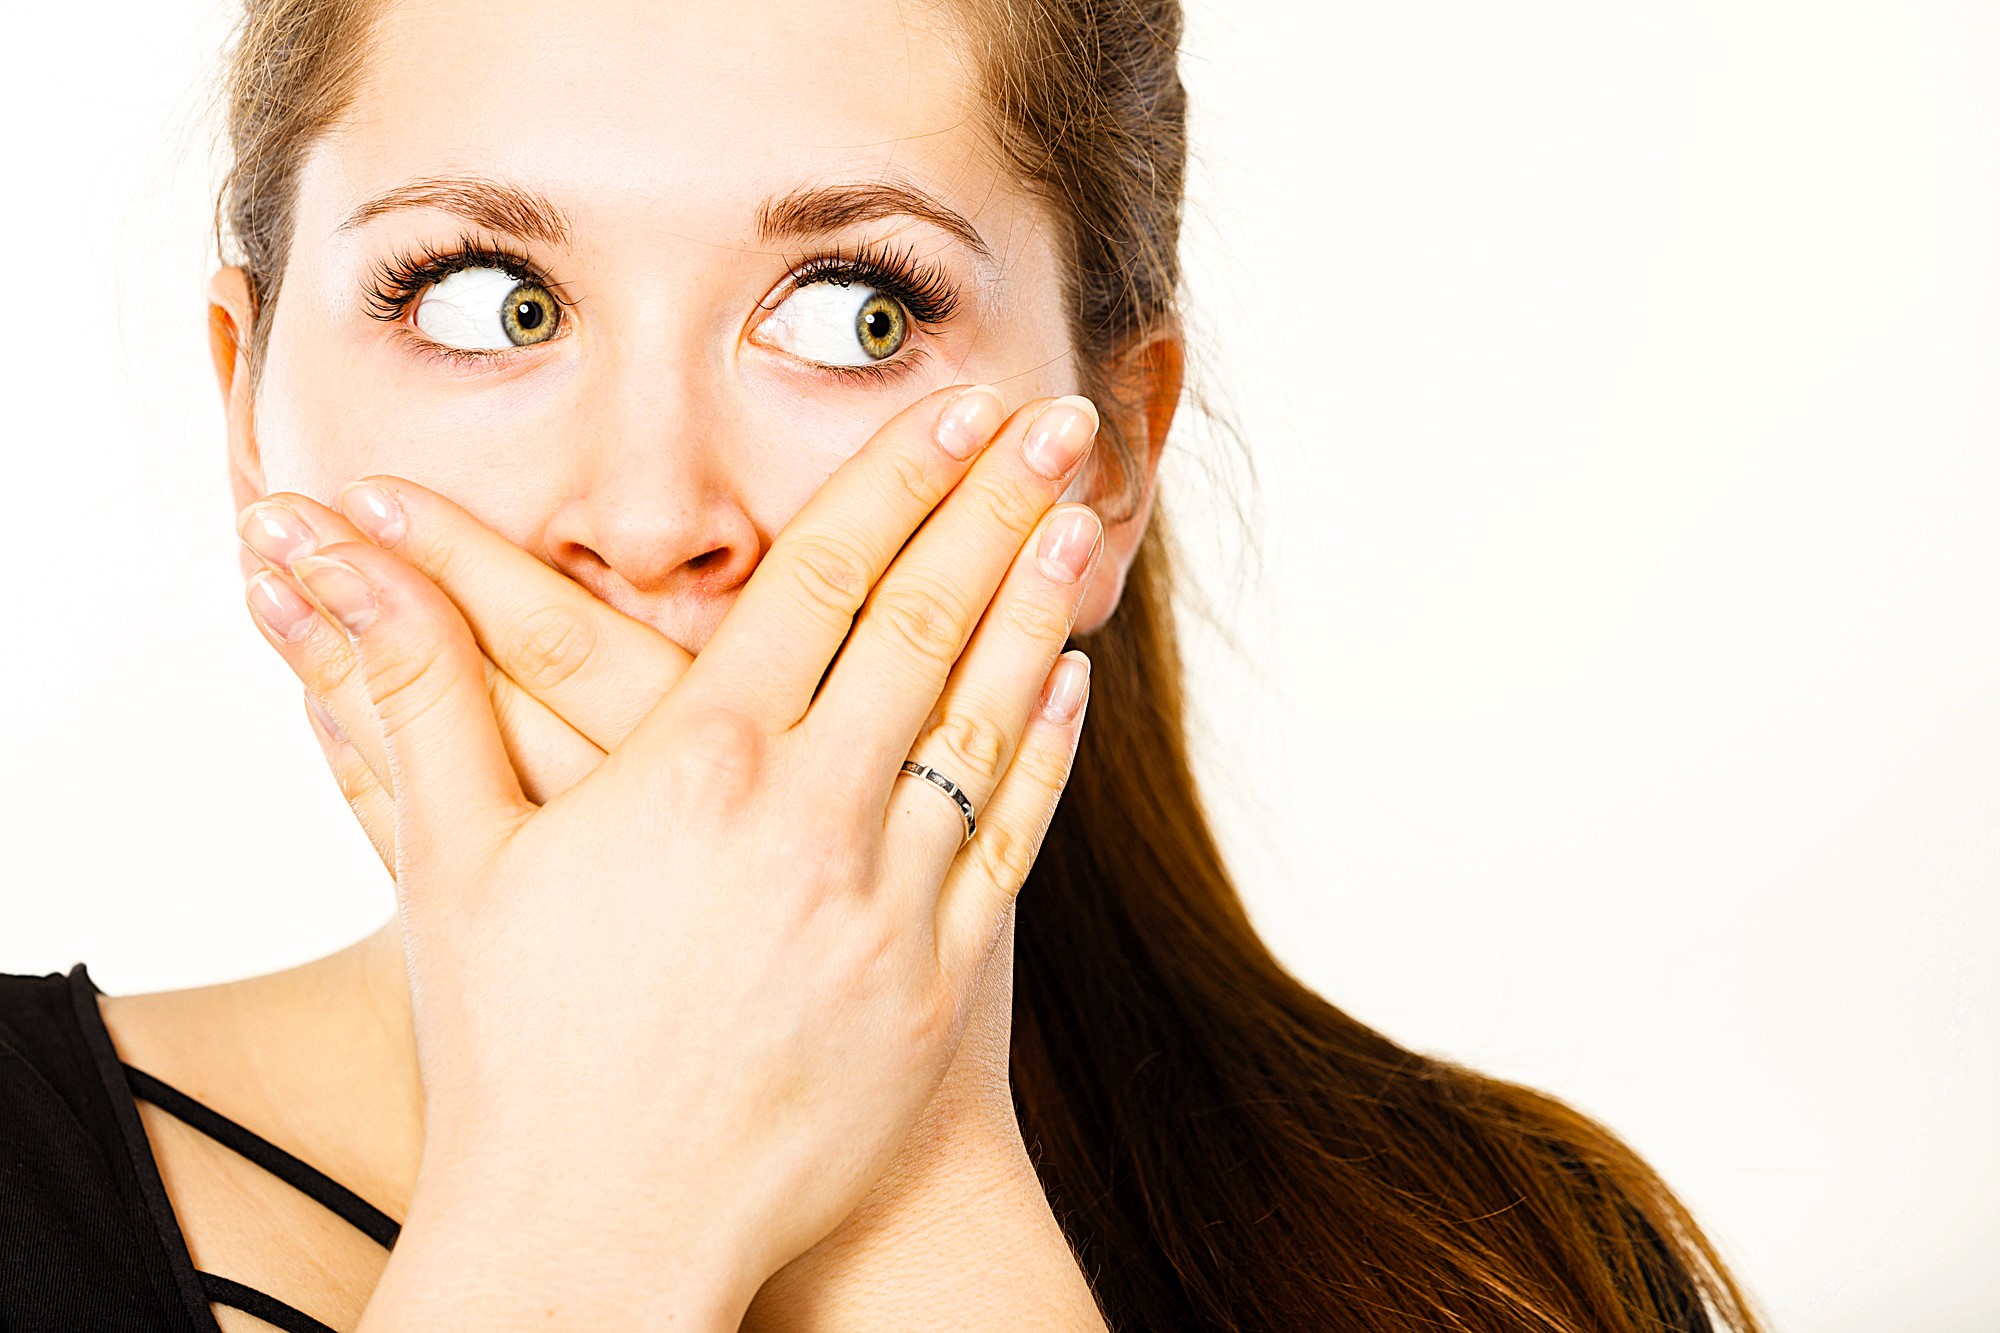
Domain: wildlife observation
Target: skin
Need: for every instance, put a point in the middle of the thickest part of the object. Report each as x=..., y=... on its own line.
x=612, y=492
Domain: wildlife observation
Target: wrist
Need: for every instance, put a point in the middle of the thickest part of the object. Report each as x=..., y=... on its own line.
x=495, y=1243
x=959, y=1234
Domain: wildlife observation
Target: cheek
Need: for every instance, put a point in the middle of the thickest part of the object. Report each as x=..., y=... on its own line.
x=791, y=436
x=328, y=414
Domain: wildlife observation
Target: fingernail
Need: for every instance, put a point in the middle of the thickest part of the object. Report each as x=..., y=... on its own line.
x=1068, y=542
x=322, y=718
x=339, y=588
x=969, y=420
x=1059, y=436
x=276, y=533
x=1064, y=691
x=375, y=512
x=284, y=612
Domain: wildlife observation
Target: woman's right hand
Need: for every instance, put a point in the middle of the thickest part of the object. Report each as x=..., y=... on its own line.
x=740, y=928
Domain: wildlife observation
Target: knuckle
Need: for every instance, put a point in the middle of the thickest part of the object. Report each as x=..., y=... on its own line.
x=431, y=551
x=1016, y=509
x=717, y=755
x=921, y=618
x=829, y=574
x=910, y=481
x=1004, y=857
x=973, y=741
x=403, y=689
x=1036, y=619
x=549, y=647
x=1047, y=766
x=331, y=673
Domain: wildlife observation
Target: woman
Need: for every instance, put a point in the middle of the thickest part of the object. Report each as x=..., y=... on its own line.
x=710, y=727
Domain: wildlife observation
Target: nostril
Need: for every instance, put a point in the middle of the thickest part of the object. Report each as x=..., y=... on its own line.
x=708, y=559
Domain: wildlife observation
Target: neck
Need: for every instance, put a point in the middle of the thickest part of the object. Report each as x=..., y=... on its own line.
x=358, y=1003
x=322, y=1058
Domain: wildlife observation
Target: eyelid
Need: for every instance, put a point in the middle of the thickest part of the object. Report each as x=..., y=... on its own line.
x=925, y=289
x=492, y=359
x=923, y=286
x=394, y=284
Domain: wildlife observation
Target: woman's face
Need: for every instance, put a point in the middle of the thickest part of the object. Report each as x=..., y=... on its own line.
x=718, y=244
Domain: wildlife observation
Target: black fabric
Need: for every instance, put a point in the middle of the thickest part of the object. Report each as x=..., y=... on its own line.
x=88, y=1238
x=267, y=1308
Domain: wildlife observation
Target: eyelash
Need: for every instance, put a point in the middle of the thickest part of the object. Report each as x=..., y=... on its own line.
x=399, y=281
x=396, y=282
x=923, y=288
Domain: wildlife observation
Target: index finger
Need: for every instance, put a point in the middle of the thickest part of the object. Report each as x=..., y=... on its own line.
x=594, y=666
x=769, y=653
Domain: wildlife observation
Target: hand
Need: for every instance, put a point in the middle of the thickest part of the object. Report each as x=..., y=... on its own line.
x=568, y=675
x=803, y=933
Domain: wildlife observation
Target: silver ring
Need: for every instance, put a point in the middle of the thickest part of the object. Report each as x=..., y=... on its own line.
x=948, y=787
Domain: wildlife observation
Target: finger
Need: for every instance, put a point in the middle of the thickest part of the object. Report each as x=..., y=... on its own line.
x=318, y=653
x=986, y=877
x=548, y=754
x=595, y=667
x=972, y=732
x=373, y=807
x=454, y=786
x=769, y=653
x=918, y=620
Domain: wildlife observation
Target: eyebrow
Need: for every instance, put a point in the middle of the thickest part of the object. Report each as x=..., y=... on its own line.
x=493, y=204
x=802, y=213
x=814, y=210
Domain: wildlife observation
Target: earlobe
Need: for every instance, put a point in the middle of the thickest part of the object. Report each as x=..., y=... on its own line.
x=231, y=316
x=1146, y=381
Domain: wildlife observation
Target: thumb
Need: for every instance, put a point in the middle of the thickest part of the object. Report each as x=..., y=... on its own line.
x=454, y=785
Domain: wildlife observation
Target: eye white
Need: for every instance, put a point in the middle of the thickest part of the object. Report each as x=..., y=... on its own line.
x=821, y=322
x=463, y=309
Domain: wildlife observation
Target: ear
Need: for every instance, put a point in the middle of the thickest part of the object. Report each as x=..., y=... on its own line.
x=231, y=312
x=1144, y=391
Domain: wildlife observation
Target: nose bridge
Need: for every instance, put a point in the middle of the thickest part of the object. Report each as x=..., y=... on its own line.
x=653, y=511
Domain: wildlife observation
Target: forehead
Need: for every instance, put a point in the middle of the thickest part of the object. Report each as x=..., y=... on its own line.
x=678, y=114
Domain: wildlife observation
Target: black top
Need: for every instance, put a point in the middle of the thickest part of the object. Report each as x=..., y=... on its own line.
x=91, y=1241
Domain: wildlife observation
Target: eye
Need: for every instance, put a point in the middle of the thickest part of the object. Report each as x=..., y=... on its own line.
x=484, y=309
x=838, y=324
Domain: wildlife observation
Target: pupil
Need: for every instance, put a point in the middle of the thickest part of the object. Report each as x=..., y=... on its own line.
x=528, y=315
x=878, y=324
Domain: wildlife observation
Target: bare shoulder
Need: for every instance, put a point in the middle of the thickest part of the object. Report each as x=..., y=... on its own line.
x=305, y=1059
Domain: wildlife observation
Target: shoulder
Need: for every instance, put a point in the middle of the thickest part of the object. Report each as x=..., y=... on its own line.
x=41, y=1038
x=81, y=1248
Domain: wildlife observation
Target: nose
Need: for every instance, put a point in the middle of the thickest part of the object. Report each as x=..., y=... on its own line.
x=654, y=523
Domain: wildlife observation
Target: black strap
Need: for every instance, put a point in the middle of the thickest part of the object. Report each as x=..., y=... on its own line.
x=371, y=1221
x=267, y=1308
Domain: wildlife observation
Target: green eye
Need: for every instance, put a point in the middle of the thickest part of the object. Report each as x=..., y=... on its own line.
x=530, y=315
x=882, y=326
x=486, y=309
x=837, y=323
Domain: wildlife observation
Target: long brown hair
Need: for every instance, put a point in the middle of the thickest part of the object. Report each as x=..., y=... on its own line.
x=1224, y=1149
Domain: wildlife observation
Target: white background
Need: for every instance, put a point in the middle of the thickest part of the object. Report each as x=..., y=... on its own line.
x=1614, y=700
